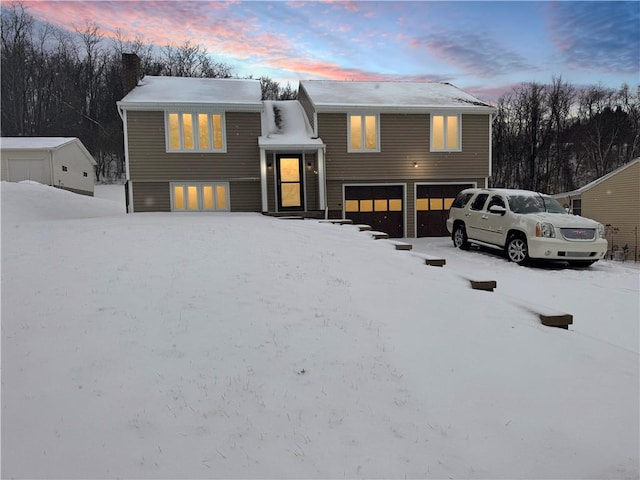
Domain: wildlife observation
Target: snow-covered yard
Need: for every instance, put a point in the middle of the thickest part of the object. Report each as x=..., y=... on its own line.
x=242, y=346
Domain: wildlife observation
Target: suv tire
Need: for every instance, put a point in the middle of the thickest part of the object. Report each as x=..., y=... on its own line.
x=516, y=249
x=459, y=237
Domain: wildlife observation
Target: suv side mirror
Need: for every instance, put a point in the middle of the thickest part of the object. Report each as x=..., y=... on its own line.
x=497, y=209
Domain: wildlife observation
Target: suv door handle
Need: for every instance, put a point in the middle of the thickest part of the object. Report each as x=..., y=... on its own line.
x=484, y=217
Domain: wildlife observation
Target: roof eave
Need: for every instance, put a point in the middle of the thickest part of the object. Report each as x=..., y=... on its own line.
x=160, y=106
x=424, y=109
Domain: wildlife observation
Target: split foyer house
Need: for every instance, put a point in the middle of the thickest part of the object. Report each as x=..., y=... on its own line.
x=390, y=154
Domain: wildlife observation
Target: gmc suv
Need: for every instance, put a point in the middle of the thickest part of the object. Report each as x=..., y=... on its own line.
x=526, y=225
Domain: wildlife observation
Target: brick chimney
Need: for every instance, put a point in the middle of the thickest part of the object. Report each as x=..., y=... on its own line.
x=130, y=71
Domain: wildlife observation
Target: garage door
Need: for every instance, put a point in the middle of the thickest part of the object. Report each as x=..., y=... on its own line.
x=380, y=206
x=26, y=169
x=432, y=208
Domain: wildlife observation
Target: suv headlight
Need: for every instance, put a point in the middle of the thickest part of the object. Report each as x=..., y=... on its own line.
x=601, y=232
x=544, y=229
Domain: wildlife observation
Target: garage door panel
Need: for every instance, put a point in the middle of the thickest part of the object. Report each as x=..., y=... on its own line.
x=26, y=169
x=381, y=206
x=433, y=203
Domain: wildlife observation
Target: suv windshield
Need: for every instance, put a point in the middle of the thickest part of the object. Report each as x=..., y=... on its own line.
x=534, y=204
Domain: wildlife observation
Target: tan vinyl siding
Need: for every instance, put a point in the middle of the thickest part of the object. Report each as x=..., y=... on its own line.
x=245, y=196
x=149, y=160
x=616, y=201
x=307, y=106
x=151, y=197
x=404, y=140
x=311, y=183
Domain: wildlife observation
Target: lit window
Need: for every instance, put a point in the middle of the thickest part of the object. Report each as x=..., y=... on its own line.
x=380, y=205
x=395, y=204
x=445, y=133
x=203, y=130
x=195, y=132
x=363, y=133
x=351, y=206
x=366, y=205
x=195, y=197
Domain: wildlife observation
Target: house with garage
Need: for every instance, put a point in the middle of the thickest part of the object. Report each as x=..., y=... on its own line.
x=61, y=162
x=390, y=154
x=397, y=153
x=614, y=201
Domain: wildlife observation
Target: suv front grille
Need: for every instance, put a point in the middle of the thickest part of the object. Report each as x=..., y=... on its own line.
x=578, y=234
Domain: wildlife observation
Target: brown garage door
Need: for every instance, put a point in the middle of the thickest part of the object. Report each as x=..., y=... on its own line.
x=380, y=206
x=432, y=208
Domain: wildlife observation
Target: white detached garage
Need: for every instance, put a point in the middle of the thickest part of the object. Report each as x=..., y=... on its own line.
x=61, y=162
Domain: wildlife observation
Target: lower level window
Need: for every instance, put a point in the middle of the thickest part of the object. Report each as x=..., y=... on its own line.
x=198, y=197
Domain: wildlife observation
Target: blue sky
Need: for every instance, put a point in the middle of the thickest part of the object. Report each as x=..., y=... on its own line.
x=482, y=47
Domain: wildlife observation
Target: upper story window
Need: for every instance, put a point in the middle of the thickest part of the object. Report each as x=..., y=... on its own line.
x=363, y=133
x=446, y=133
x=195, y=132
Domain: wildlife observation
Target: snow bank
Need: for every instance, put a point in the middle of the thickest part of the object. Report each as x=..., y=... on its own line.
x=242, y=346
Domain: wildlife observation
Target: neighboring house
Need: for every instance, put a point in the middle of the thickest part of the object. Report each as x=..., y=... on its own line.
x=390, y=154
x=61, y=162
x=614, y=201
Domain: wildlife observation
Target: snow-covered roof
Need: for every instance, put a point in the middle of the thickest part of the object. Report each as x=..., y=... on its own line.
x=329, y=95
x=597, y=181
x=34, y=143
x=161, y=91
x=285, y=125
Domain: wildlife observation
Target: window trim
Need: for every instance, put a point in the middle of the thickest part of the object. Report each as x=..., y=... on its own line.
x=196, y=137
x=445, y=131
x=199, y=186
x=362, y=116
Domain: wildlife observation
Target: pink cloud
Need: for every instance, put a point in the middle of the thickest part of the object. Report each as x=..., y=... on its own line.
x=161, y=23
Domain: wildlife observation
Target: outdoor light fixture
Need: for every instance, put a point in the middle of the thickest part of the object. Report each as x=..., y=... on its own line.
x=309, y=165
x=415, y=164
x=269, y=166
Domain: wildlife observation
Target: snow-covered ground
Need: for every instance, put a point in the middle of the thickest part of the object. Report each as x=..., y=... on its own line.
x=242, y=346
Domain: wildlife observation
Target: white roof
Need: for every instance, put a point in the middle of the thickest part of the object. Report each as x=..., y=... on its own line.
x=328, y=95
x=43, y=143
x=597, y=181
x=34, y=143
x=154, y=91
x=291, y=128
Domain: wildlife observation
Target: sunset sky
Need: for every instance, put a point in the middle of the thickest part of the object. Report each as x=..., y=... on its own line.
x=482, y=47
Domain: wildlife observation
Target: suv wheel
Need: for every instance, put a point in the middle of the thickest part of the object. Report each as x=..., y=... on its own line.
x=460, y=237
x=517, y=250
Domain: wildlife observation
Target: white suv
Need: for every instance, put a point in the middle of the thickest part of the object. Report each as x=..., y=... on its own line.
x=526, y=225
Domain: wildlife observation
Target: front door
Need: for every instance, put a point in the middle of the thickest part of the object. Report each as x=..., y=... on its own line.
x=290, y=193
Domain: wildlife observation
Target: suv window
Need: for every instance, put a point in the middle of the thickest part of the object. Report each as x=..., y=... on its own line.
x=496, y=200
x=478, y=203
x=461, y=200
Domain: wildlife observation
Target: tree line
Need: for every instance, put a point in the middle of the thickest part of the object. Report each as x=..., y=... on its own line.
x=556, y=138
x=550, y=138
x=57, y=83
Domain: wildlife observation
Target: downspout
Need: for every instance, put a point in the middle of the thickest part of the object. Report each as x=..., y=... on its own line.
x=322, y=179
x=51, y=168
x=492, y=118
x=263, y=180
x=129, y=188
